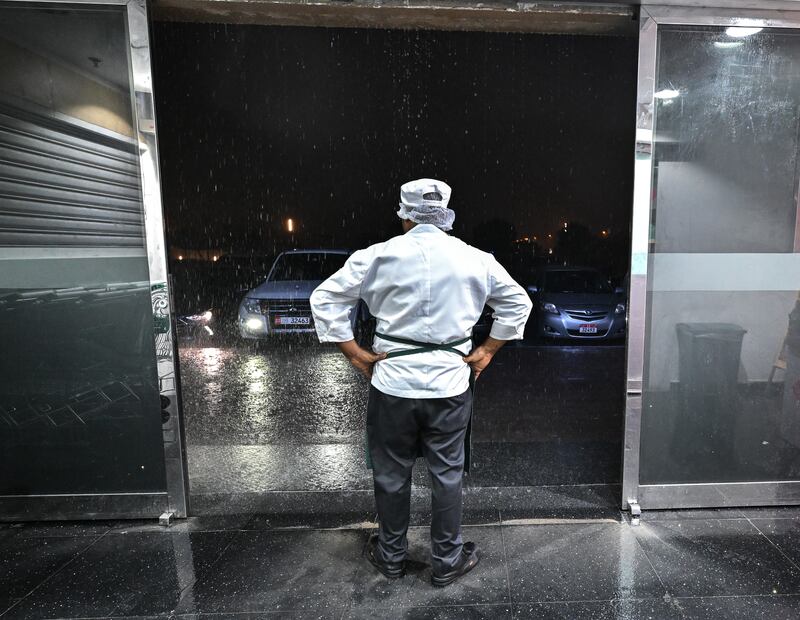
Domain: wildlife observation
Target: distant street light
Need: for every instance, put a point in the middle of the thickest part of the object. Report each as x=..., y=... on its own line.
x=290, y=225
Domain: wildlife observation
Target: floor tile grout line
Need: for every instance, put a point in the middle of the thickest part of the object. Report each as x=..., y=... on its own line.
x=505, y=558
x=373, y=526
x=436, y=606
x=766, y=595
x=234, y=535
x=650, y=598
x=790, y=560
x=589, y=600
x=57, y=571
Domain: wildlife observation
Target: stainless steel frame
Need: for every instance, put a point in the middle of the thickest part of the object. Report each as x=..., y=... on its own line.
x=175, y=500
x=635, y=495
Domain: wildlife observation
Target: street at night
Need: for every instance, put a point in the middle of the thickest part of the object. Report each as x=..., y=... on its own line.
x=290, y=417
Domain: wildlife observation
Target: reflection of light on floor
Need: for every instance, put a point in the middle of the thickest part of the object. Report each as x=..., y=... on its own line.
x=255, y=367
x=328, y=370
x=330, y=373
x=259, y=374
x=255, y=370
x=334, y=460
x=210, y=360
x=275, y=467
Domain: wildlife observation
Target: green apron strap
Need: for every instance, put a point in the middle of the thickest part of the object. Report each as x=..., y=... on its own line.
x=422, y=347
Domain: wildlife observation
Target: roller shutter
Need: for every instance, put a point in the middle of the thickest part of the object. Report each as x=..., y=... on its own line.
x=62, y=185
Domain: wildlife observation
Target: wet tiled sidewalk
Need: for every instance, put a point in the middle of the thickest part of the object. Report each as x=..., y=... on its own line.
x=694, y=564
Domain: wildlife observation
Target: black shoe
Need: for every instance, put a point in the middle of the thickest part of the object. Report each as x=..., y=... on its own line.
x=470, y=556
x=390, y=570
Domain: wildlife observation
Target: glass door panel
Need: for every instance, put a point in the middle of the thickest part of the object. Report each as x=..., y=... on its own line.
x=80, y=390
x=721, y=389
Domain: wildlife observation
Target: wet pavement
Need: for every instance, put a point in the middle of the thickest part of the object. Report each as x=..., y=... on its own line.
x=723, y=564
x=264, y=424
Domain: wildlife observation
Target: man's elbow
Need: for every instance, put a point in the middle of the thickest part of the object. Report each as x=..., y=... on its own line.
x=527, y=304
x=316, y=301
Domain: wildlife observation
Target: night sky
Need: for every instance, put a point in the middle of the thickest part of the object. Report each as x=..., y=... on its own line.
x=257, y=124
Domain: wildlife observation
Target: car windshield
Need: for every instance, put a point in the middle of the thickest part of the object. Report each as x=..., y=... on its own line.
x=311, y=266
x=575, y=281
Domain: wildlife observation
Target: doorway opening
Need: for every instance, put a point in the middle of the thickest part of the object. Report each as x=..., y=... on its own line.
x=283, y=149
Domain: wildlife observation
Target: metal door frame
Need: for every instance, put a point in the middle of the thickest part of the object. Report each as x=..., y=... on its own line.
x=175, y=499
x=637, y=496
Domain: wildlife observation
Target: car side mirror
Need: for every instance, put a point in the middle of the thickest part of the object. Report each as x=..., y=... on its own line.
x=533, y=289
x=619, y=291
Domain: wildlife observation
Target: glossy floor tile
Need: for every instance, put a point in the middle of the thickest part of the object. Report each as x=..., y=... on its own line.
x=784, y=534
x=677, y=567
x=25, y=563
x=624, y=609
x=462, y=612
x=741, y=607
x=590, y=561
x=486, y=583
x=280, y=570
x=715, y=557
x=125, y=574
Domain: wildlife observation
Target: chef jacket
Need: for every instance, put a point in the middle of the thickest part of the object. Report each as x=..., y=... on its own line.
x=424, y=286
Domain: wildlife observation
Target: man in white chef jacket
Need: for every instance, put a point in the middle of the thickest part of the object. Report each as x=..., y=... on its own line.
x=426, y=290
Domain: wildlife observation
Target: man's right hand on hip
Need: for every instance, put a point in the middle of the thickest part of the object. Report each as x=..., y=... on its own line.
x=482, y=356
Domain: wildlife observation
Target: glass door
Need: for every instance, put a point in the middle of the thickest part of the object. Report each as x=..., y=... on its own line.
x=89, y=416
x=714, y=372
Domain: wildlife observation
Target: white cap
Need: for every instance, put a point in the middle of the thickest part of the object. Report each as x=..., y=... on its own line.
x=425, y=192
x=424, y=201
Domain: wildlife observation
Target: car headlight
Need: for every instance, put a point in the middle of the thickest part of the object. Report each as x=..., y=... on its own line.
x=253, y=324
x=620, y=309
x=551, y=308
x=251, y=306
x=204, y=317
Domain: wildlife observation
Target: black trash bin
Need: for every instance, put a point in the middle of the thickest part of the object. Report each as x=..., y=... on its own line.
x=708, y=369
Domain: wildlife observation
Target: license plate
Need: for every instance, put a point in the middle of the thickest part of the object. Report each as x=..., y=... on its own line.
x=292, y=320
x=587, y=329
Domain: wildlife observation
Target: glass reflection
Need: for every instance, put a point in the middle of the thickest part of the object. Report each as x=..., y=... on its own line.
x=79, y=393
x=724, y=270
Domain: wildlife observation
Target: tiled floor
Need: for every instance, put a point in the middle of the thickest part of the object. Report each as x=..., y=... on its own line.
x=708, y=564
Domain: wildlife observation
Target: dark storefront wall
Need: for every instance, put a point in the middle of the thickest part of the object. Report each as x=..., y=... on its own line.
x=261, y=124
x=86, y=398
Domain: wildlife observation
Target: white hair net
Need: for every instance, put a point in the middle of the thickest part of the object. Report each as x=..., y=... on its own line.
x=424, y=201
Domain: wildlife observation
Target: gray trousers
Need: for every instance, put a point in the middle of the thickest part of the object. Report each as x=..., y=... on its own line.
x=399, y=430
